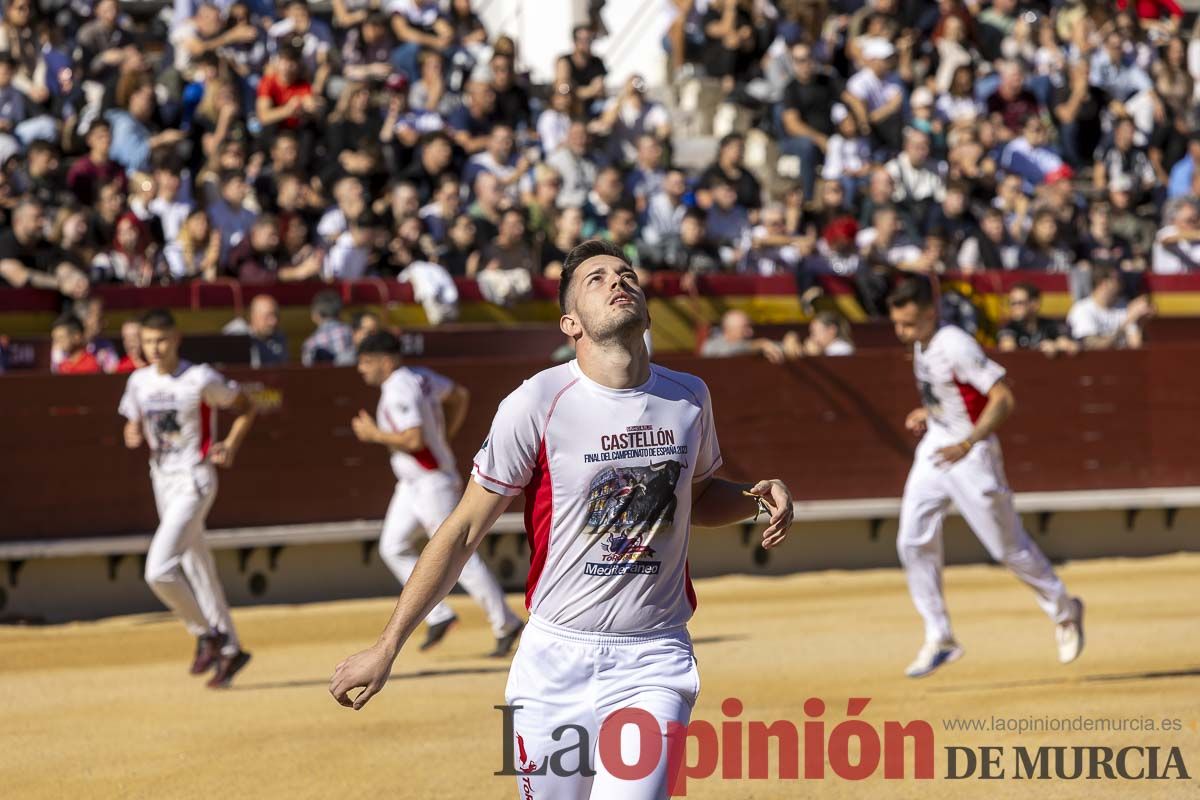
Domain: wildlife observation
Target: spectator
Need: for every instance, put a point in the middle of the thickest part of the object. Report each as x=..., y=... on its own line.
x=1126, y=221
x=229, y=215
x=628, y=118
x=364, y=323
x=607, y=193
x=730, y=168
x=736, y=338
x=489, y=204
x=133, y=258
x=665, y=209
x=847, y=155
x=689, y=250
x=1180, y=182
x=512, y=100
x=66, y=339
x=1012, y=104
x=1027, y=330
x=195, y=252
x=268, y=345
x=506, y=263
x=367, y=53
x=169, y=207
x=580, y=69
x=309, y=38
x=90, y=172
x=728, y=222
x=773, y=250
x=500, y=159
x=417, y=24
x=333, y=340
x=731, y=48
x=919, y=183
x=350, y=200
x=1177, y=244
x=1077, y=112
x=1102, y=320
x=259, y=257
x=555, y=121
x=442, y=210
x=434, y=161
x=568, y=233
x=991, y=248
x=828, y=335
x=131, y=343
x=876, y=95
x=646, y=176
x=1044, y=250
x=806, y=117
x=542, y=206
x=1100, y=246
x=105, y=47
x=1122, y=159
x=621, y=231
x=471, y=125
x=460, y=255
x=1030, y=158
x=1116, y=71
x=91, y=314
x=286, y=96
x=27, y=259
x=575, y=165
x=349, y=257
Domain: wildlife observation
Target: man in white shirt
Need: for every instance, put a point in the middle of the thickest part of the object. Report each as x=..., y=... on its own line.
x=616, y=457
x=1177, y=245
x=964, y=400
x=171, y=405
x=1101, y=320
x=874, y=94
x=419, y=410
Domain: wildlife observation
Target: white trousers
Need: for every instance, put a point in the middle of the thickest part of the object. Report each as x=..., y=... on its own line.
x=561, y=677
x=419, y=508
x=976, y=485
x=179, y=565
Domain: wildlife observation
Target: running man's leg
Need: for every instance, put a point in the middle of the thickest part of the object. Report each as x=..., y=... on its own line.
x=398, y=544
x=919, y=544
x=437, y=500
x=979, y=489
x=660, y=678
x=179, y=502
x=550, y=690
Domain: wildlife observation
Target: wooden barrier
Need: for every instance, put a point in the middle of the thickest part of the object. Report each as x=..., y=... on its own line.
x=831, y=427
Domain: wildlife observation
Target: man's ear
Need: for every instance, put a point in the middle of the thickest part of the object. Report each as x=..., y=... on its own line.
x=570, y=326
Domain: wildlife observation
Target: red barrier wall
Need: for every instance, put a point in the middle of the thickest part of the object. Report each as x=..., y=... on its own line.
x=831, y=427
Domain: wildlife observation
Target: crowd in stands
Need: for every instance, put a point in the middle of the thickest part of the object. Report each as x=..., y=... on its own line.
x=261, y=142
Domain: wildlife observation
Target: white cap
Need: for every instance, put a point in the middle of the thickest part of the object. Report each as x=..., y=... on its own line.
x=921, y=97
x=876, y=49
x=838, y=113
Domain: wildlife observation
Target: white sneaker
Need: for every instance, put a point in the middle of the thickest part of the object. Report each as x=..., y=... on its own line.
x=933, y=655
x=1069, y=634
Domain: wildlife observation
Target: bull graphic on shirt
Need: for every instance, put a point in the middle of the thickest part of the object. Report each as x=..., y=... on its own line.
x=631, y=503
x=165, y=427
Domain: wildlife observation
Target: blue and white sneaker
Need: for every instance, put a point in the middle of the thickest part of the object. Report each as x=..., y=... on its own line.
x=933, y=655
x=1069, y=634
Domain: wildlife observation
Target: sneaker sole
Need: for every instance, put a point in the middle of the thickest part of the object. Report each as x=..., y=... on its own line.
x=225, y=684
x=425, y=646
x=951, y=656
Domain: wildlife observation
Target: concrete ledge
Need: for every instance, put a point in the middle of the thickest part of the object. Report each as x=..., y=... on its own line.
x=806, y=511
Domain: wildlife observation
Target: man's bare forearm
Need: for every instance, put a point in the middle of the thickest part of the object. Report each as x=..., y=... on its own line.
x=999, y=408
x=721, y=502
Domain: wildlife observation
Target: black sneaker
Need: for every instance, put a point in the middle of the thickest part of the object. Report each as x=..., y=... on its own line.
x=227, y=667
x=208, y=649
x=504, y=644
x=437, y=632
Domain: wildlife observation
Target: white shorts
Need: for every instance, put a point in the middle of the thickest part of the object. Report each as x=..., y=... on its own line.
x=561, y=677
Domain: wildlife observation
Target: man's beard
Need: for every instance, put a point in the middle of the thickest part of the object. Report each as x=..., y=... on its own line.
x=617, y=328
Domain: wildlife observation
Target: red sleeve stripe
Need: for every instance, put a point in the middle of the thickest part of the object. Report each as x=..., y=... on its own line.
x=496, y=481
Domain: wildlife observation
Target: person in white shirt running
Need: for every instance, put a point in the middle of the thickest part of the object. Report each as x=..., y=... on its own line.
x=964, y=401
x=616, y=458
x=171, y=406
x=419, y=410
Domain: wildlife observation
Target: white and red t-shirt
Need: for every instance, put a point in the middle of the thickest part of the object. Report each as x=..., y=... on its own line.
x=954, y=376
x=607, y=476
x=178, y=412
x=412, y=397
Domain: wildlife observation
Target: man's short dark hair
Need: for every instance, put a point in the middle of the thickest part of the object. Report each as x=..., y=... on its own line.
x=68, y=320
x=916, y=289
x=579, y=254
x=380, y=343
x=327, y=304
x=1102, y=273
x=96, y=125
x=41, y=146
x=697, y=215
x=158, y=319
x=1031, y=291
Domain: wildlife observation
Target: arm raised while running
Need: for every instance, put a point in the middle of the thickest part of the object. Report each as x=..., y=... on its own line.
x=717, y=502
x=436, y=572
